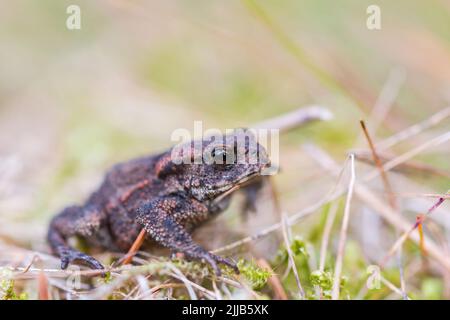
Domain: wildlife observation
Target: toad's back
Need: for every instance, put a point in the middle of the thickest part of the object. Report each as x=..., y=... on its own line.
x=125, y=187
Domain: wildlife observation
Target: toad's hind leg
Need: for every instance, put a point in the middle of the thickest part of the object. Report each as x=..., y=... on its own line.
x=75, y=221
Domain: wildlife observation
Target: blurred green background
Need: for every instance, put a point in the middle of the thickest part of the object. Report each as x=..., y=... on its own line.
x=73, y=102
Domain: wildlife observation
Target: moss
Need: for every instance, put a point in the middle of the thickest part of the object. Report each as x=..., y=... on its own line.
x=7, y=291
x=298, y=248
x=256, y=276
x=324, y=280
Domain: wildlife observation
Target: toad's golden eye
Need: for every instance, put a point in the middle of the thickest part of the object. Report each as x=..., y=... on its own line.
x=220, y=155
x=223, y=157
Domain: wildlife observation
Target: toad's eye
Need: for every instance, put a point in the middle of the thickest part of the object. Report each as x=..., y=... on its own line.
x=222, y=156
x=219, y=155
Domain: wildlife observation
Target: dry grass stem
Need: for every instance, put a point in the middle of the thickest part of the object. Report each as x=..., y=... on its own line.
x=287, y=242
x=389, y=191
x=392, y=287
x=43, y=286
x=414, y=129
x=419, y=222
x=134, y=248
x=410, y=154
x=296, y=118
x=343, y=233
x=386, y=98
x=326, y=234
x=411, y=166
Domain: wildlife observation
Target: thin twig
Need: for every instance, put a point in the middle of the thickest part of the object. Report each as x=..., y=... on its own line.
x=419, y=221
x=325, y=239
x=216, y=290
x=187, y=283
x=376, y=159
x=301, y=292
x=409, y=154
x=326, y=234
x=135, y=247
x=389, y=191
x=296, y=118
x=386, y=212
x=43, y=286
x=410, y=166
x=136, y=288
x=391, y=286
x=243, y=285
x=158, y=288
x=287, y=242
x=386, y=98
x=343, y=235
x=414, y=129
x=421, y=195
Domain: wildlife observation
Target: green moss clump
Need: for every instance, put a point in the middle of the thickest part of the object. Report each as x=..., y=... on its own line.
x=7, y=291
x=256, y=276
x=324, y=280
x=298, y=248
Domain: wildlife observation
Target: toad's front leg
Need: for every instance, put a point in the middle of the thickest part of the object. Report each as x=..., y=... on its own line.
x=164, y=220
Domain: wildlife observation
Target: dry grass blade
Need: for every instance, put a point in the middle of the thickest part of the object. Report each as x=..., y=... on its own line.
x=134, y=248
x=216, y=290
x=386, y=212
x=411, y=166
x=422, y=195
x=43, y=286
x=410, y=154
x=140, y=285
x=287, y=242
x=296, y=118
x=143, y=284
x=419, y=222
x=387, y=97
x=343, y=234
x=389, y=191
x=243, y=285
x=326, y=234
x=188, y=284
x=376, y=158
x=391, y=286
x=156, y=289
x=414, y=129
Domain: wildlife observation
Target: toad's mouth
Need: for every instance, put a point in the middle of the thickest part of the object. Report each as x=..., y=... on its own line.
x=226, y=190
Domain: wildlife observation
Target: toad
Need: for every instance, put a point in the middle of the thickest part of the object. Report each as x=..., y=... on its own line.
x=168, y=194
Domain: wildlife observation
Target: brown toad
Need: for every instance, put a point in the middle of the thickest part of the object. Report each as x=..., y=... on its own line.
x=167, y=198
